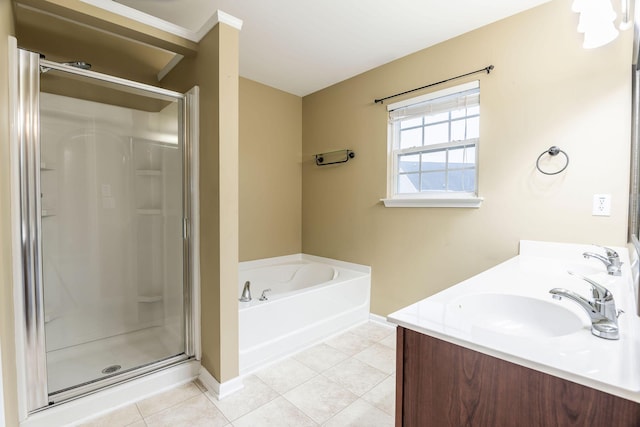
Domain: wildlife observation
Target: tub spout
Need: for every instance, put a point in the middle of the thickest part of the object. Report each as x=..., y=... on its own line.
x=246, y=292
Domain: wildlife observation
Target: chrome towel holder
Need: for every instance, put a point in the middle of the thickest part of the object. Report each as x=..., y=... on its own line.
x=553, y=151
x=340, y=156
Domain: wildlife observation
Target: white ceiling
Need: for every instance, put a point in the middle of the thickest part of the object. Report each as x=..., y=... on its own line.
x=301, y=46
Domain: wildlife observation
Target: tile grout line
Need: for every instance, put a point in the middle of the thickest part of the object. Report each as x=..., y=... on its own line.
x=371, y=388
x=254, y=409
x=339, y=412
x=140, y=413
x=166, y=407
x=302, y=410
x=340, y=385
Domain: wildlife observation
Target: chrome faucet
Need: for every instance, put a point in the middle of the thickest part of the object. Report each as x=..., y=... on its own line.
x=611, y=261
x=602, y=310
x=246, y=292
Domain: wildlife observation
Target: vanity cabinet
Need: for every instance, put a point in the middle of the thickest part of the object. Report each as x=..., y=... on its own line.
x=442, y=384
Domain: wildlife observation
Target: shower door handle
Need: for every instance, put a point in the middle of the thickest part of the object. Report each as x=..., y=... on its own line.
x=185, y=228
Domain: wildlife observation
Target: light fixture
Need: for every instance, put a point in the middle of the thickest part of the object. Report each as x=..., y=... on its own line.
x=599, y=36
x=596, y=22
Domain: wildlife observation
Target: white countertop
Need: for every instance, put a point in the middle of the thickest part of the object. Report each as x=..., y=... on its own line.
x=612, y=366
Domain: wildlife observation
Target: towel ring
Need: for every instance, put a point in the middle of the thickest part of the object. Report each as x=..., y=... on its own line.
x=553, y=151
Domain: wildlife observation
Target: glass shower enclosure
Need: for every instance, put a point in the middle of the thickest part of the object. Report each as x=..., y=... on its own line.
x=105, y=198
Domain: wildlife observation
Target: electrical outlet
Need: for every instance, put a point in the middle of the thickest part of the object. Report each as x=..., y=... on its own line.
x=602, y=204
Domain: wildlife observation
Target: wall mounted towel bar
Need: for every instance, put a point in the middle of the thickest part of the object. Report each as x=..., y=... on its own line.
x=334, y=157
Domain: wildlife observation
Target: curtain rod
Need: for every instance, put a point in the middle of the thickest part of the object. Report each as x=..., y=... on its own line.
x=487, y=69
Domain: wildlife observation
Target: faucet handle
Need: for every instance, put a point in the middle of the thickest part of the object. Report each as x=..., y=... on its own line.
x=599, y=292
x=610, y=252
x=614, y=259
x=263, y=297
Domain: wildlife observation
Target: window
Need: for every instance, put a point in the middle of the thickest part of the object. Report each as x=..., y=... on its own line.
x=433, y=149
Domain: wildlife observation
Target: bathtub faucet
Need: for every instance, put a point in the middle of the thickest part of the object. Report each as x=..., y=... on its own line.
x=611, y=261
x=246, y=292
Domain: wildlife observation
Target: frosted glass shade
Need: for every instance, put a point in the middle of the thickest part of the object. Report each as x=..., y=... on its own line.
x=600, y=36
x=596, y=22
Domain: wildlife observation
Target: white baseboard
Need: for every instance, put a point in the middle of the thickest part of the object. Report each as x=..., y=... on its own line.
x=220, y=391
x=381, y=320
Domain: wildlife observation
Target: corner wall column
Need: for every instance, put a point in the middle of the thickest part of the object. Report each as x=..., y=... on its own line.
x=217, y=74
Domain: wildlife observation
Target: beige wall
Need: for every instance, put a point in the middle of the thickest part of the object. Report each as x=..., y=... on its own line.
x=545, y=90
x=228, y=129
x=215, y=70
x=270, y=172
x=6, y=271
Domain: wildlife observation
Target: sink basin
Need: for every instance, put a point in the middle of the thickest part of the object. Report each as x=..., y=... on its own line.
x=513, y=315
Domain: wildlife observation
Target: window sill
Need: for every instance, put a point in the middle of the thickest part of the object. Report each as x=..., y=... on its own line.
x=432, y=202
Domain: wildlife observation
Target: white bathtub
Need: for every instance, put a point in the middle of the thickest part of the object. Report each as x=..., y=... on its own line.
x=311, y=298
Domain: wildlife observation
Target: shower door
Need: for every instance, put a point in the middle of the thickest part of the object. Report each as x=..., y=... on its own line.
x=105, y=207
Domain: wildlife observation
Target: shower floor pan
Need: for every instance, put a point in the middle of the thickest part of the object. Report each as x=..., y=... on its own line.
x=72, y=366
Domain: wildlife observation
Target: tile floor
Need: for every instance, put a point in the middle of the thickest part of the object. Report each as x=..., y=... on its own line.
x=348, y=380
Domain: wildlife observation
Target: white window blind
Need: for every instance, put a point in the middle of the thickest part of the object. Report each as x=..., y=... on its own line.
x=467, y=99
